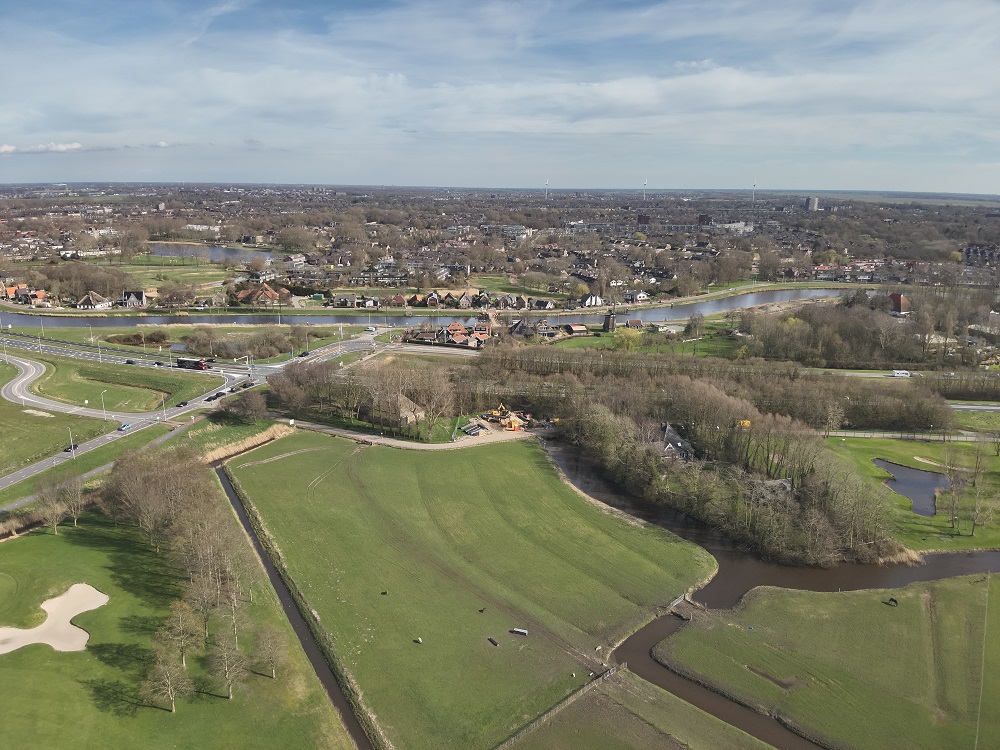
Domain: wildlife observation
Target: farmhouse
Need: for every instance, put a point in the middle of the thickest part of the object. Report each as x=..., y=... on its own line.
x=93, y=301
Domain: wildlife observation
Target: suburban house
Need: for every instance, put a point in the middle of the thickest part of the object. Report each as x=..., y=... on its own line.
x=591, y=300
x=10, y=292
x=262, y=294
x=344, y=300
x=133, y=299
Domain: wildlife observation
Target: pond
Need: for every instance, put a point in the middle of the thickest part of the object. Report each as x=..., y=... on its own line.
x=918, y=485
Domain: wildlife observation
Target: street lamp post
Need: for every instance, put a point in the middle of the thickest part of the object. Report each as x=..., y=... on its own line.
x=72, y=446
x=103, y=409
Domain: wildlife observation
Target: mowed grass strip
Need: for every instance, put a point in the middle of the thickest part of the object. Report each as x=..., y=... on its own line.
x=90, y=699
x=861, y=673
x=628, y=713
x=130, y=388
x=446, y=534
x=33, y=434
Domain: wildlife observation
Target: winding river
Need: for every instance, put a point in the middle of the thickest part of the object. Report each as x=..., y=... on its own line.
x=739, y=571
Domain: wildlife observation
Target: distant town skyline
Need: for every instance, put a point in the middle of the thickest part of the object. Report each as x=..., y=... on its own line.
x=789, y=94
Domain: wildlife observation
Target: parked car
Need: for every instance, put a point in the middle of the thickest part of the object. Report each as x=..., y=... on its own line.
x=249, y=384
x=125, y=427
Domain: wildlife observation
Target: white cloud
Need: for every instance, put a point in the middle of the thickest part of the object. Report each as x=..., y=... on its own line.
x=41, y=148
x=409, y=85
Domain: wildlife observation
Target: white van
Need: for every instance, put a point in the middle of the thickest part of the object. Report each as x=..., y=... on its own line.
x=901, y=373
x=370, y=329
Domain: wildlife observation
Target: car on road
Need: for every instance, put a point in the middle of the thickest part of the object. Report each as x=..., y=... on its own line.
x=182, y=403
x=158, y=364
x=304, y=354
x=125, y=427
x=71, y=448
x=248, y=384
x=233, y=389
x=130, y=361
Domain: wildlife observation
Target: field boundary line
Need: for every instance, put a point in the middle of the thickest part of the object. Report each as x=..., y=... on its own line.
x=564, y=703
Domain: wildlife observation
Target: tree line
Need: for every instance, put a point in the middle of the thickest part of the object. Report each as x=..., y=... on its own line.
x=173, y=501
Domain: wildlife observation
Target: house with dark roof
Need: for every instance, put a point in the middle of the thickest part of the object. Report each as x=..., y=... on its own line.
x=133, y=299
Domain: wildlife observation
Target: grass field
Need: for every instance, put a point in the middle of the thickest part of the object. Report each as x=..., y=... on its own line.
x=924, y=532
x=628, y=713
x=89, y=700
x=129, y=389
x=860, y=673
x=33, y=434
x=84, y=462
x=466, y=544
x=152, y=271
x=977, y=421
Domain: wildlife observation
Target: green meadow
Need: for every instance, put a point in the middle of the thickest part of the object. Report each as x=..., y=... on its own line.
x=854, y=671
x=33, y=434
x=628, y=713
x=452, y=548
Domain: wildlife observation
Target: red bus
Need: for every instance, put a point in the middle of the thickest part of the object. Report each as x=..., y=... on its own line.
x=192, y=364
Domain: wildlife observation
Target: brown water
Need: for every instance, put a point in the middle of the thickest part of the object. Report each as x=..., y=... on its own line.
x=739, y=571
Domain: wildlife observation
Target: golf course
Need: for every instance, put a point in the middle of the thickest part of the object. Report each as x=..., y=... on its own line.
x=413, y=560
x=91, y=698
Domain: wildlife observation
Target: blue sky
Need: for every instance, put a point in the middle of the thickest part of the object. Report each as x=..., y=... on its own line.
x=796, y=94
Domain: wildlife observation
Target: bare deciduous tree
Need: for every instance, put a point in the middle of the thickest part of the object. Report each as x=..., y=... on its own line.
x=271, y=647
x=182, y=630
x=167, y=681
x=229, y=664
x=71, y=494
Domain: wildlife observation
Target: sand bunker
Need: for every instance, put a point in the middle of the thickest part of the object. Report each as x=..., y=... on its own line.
x=57, y=630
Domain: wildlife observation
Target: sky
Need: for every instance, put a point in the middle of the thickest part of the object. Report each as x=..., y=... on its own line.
x=679, y=94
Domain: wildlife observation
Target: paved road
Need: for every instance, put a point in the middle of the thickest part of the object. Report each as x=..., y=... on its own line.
x=18, y=391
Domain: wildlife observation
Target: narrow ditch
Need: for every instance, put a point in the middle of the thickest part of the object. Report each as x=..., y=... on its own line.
x=315, y=654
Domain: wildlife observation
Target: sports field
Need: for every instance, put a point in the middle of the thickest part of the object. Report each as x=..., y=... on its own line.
x=856, y=669
x=452, y=548
x=90, y=699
